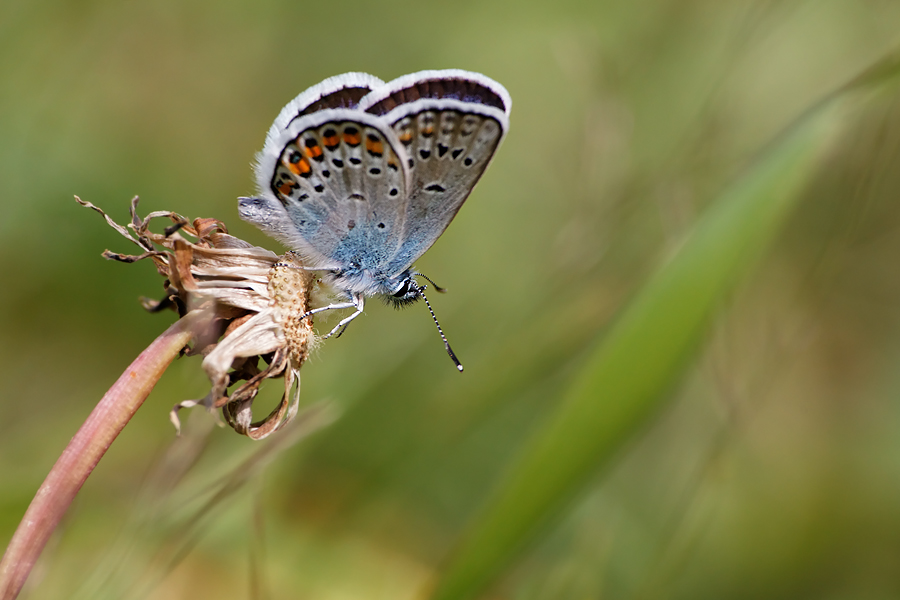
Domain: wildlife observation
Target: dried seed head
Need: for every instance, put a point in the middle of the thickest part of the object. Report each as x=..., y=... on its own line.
x=256, y=302
x=289, y=288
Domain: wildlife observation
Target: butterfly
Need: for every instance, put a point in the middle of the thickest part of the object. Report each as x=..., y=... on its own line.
x=360, y=177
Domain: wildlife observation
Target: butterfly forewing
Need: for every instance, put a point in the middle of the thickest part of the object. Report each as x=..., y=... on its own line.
x=448, y=151
x=449, y=123
x=465, y=86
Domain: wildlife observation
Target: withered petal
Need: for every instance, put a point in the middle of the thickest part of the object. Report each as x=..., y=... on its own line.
x=258, y=303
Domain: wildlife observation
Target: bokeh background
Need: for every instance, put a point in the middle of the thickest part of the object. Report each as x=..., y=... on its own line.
x=774, y=470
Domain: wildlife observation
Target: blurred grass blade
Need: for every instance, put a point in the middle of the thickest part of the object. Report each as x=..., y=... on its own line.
x=638, y=361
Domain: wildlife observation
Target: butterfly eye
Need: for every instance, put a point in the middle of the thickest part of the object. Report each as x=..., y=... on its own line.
x=406, y=293
x=402, y=290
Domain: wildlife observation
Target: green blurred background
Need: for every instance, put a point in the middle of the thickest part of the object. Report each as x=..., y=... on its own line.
x=774, y=471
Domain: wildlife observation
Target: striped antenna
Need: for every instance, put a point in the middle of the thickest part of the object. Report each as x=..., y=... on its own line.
x=421, y=291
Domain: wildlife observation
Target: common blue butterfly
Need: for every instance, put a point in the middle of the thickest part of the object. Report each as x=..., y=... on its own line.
x=360, y=177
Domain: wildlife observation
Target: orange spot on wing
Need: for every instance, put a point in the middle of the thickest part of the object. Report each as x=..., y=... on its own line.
x=375, y=147
x=352, y=138
x=313, y=151
x=331, y=141
x=301, y=167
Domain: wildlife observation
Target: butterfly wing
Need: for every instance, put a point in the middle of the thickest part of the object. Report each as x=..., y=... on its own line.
x=324, y=169
x=449, y=124
x=360, y=176
x=328, y=176
x=340, y=91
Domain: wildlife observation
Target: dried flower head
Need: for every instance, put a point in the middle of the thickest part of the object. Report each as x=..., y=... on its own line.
x=255, y=302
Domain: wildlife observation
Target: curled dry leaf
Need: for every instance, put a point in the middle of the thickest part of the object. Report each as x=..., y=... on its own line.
x=255, y=299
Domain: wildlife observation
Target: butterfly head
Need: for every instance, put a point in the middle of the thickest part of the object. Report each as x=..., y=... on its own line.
x=405, y=292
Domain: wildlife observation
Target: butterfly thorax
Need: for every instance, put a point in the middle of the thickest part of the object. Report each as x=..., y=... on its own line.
x=398, y=290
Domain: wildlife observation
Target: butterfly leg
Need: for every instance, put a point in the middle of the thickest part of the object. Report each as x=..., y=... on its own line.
x=338, y=306
x=358, y=303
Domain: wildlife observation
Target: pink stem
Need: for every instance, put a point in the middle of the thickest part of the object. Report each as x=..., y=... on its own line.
x=86, y=449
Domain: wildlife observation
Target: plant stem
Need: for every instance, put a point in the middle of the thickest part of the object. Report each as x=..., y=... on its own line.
x=86, y=449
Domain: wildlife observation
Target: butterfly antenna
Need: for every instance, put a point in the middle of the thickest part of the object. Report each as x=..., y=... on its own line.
x=421, y=291
x=437, y=288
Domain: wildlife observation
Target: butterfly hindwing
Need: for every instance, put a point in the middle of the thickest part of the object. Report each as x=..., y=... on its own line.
x=340, y=91
x=336, y=175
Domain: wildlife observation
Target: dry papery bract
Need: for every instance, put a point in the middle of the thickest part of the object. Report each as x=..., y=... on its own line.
x=253, y=299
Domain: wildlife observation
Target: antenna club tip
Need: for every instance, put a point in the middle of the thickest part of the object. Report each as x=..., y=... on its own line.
x=459, y=368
